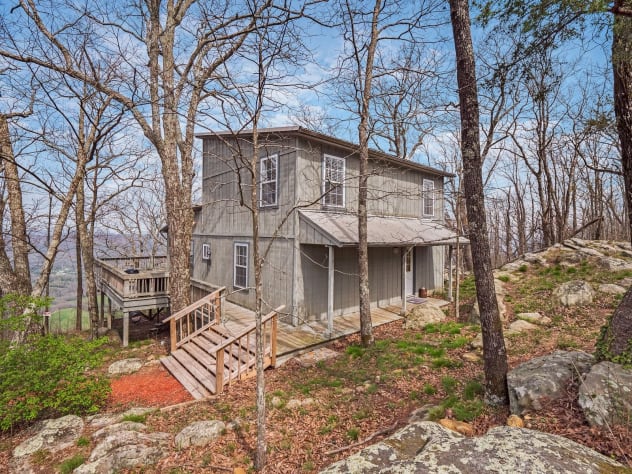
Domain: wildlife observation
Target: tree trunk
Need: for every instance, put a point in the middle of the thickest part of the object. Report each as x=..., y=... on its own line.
x=79, y=305
x=16, y=278
x=615, y=340
x=494, y=352
x=366, y=329
x=618, y=335
x=622, y=71
x=86, y=237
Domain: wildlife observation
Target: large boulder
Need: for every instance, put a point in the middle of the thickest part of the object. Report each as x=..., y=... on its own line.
x=53, y=435
x=606, y=394
x=200, y=433
x=535, y=318
x=542, y=378
x=499, y=289
x=428, y=447
x=125, y=366
x=126, y=450
x=614, y=264
x=423, y=315
x=612, y=289
x=574, y=293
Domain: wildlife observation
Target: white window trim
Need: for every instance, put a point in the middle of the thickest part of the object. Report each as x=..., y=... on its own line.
x=342, y=184
x=236, y=245
x=262, y=160
x=431, y=197
x=206, y=251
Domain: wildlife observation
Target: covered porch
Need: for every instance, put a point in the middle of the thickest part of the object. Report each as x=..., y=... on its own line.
x=405, y=254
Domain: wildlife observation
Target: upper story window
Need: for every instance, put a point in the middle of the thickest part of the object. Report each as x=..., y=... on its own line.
x=333, y=181
x=428, y=197
x=268, y=180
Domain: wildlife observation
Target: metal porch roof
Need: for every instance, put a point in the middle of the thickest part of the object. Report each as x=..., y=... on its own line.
x=341, y=229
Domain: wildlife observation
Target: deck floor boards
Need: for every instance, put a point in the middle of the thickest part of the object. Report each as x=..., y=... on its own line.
x=291, y=339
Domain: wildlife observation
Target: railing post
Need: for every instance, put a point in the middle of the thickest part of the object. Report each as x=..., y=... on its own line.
x=172, y=331
x=219, y=371
x=273, y=340
x=218, y=308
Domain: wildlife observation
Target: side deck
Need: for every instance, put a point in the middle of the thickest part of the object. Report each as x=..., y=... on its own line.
x=132, y=284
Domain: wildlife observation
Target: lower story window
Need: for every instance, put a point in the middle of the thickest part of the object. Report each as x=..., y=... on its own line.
x=240, y=279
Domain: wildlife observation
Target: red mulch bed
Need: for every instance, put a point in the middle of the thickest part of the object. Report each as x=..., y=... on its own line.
x=150, y=386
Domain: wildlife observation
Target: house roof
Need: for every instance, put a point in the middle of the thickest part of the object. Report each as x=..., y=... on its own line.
x=321, y=137
x=341, y=230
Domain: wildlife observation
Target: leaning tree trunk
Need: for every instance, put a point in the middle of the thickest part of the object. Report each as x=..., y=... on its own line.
x=494, y=352
x=615, y=342
x=19, y=276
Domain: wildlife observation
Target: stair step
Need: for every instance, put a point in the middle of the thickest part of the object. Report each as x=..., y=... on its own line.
x=233, y=356
x=201, y=373
x=197, y=390
x=203, y=356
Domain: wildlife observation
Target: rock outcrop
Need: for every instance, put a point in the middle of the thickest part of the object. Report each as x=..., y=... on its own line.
x=606, y=394
x=429, y=447
x=543, y=378
x=423, y=315
x=574, y=293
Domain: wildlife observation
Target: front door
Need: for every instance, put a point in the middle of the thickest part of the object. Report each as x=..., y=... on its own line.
x=408, y=271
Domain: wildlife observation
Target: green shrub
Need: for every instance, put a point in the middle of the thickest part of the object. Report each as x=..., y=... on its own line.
x=467, y=410
x=48, y=376
x=71, y=464
x=429, y=389
x=135, y=418
x=523, y=268
x=503, y=278
x=472, y=390
x=355, y=351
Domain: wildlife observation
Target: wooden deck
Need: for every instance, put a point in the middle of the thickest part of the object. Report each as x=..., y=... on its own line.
x=293, y=340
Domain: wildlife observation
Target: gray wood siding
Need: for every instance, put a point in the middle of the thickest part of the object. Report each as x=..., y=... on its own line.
x=224, y=173
x=392, y=191
x=429, y=265
x=277, y=269
x=384, y=279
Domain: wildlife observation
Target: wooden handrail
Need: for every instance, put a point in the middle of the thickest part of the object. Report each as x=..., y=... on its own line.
x=196, y=318
x=233, y=373
x=192, y=306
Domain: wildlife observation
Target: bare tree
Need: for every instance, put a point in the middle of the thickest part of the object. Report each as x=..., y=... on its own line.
x=168, y=56
x=494, y=352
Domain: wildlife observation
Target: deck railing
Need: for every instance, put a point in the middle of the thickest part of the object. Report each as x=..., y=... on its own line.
x=195, y=318
x=156, y=262
x=151, y=277
x=242, y=350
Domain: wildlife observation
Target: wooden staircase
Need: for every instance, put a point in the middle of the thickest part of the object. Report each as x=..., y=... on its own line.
x=205, y=356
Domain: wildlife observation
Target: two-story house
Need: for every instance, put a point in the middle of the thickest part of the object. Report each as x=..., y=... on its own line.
x=307, y=190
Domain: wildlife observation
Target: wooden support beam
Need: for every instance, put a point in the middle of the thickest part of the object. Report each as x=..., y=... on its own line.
x=330, y=292
x=404, y=251
x=450, y=250
x=125, y=328
x=109, y=313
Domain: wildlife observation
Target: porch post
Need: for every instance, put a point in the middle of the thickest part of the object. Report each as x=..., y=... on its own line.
x=330, y=292
x=450, y=250
x=404, y=251
x=125, y=328
x=109, y=313
x=102, y=308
